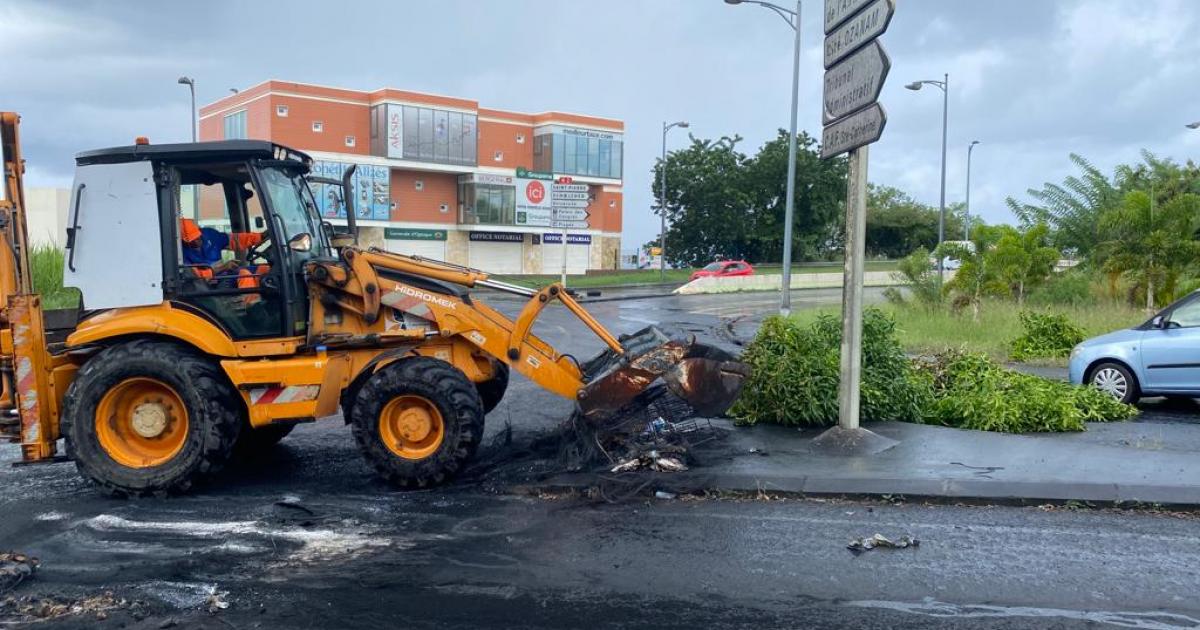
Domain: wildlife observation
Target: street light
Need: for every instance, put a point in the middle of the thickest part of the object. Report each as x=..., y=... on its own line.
x=944, y=85
x=1195, y=125
x=191, y=83
x=967, y=214
x=793, y=20
x=662, y=204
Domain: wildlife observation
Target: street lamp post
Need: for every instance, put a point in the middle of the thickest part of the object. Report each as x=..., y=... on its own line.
x=793, y=20
x=662, y=204
x=191, y=83
x=967, y=214
x=944, y=85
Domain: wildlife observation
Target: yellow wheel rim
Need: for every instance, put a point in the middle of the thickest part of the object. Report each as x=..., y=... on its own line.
x=411, y=427
x=141, y=423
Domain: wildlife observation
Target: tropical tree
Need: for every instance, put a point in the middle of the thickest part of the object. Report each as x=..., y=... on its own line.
x=1022, y=259
x=976, y=276
x=1072, y=209
x=1151, y=243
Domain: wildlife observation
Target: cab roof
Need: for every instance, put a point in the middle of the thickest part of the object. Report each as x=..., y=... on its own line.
x=221, y=150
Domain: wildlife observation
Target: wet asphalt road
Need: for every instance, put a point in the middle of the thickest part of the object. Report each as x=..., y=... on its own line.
x=304, y=536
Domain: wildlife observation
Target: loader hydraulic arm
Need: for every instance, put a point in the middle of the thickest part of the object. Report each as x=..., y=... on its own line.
x=366, y=282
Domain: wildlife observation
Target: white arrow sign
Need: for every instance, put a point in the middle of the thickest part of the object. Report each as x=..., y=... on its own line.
x=570, y=203
x=862, y=127
x=855, y=81
x=570, y=225
x=570, y=188
x=865, y=26
x=570, y=214
x=568, y=195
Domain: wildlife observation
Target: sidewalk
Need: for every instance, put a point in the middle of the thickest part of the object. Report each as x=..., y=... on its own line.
x=1140, y=462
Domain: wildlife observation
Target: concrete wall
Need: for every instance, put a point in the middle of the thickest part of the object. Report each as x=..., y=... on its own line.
x=46, y=215
x=772, y=282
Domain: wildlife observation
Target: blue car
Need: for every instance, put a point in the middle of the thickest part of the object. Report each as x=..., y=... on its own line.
x=1161, y=357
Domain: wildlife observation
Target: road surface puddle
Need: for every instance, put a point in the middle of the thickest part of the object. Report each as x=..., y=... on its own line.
x=293, y=544
x=1123, y=619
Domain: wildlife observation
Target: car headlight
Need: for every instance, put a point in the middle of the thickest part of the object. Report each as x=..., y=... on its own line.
x=1075, y=351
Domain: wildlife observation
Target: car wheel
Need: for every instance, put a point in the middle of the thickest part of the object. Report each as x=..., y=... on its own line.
x=1115, y=380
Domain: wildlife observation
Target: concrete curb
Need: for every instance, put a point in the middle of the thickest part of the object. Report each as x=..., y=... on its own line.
x=698, y=480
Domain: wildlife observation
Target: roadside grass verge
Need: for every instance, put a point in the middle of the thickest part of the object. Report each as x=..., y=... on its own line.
x=931, y=331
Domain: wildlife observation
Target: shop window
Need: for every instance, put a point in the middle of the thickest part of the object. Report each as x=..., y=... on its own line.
x=440, y=136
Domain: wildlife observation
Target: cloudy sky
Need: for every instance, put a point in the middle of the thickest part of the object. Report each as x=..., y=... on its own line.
x=1031, y=79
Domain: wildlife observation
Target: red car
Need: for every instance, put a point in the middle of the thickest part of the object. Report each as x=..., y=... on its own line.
x=723, y=269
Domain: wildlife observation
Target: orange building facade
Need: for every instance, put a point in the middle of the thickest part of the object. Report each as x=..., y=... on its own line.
x=442, y=177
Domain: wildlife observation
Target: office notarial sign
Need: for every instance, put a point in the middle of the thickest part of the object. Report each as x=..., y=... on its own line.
x=855, y=82
x=572, y=239
x=859, y=30
x=858, y=129
x=496, y=237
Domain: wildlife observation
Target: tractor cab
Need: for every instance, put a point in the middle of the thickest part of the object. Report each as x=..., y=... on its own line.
x=224, y=228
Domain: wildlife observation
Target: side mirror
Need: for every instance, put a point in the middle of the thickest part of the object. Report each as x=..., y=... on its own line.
x=259, y=224
x=1159, y=322
x=300, y=243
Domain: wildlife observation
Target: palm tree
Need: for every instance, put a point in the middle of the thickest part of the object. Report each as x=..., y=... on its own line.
x=1073, y=209
x=1150, y=243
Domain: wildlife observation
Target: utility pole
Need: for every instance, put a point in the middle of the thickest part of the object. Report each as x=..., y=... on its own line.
x=967, y=214
x=662, y=204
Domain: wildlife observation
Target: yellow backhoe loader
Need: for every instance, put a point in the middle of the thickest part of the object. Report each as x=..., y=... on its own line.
x=175, y=360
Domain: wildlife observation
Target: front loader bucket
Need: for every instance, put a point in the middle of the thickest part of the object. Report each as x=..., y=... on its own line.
x=707, y=378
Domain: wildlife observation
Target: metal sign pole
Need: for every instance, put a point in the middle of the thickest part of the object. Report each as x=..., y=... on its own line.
x=852, y=290
x=564, y=257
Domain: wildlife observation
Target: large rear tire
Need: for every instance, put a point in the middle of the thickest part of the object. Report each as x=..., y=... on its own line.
x=418, y=421
x=149, y=417
x=491, y=391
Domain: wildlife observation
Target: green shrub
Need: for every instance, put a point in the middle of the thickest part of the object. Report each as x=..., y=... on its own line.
x=46, y=266
x=796, y=372
x=1045, y=336
x=970, y=391
x=920, y=277
x=1070, y=288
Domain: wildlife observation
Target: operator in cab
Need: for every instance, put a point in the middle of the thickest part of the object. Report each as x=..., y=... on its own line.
x=202, y=247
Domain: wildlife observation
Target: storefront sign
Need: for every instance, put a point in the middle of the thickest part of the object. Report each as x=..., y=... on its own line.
x=497, y=237
x=525, y=173
x=371, y=187
x=395, y=131
x=414, y=234
x=533, y=205
x=486, y=178
x=589, y=133
x=572, y=239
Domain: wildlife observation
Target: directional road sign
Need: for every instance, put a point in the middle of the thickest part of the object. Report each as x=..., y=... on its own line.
x=862, y=127
x=838, y=11
x=855, y=81
x=568, y=195
x=570, y=188
x=857, y=31
x=570, y=214
x=570, y=225
x=570, y=203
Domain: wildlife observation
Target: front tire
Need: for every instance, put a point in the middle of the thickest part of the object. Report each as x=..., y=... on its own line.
x=1115, y=380
x=418, y=421
x=149, y=417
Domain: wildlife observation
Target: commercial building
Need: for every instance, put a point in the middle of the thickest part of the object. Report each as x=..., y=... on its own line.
x=443, y=177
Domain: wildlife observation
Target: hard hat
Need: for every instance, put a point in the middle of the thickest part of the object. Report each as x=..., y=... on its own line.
x=188, y=230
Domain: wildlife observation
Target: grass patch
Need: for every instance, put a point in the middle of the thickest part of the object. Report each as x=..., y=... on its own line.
x=46, y=266
x=931, y=331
